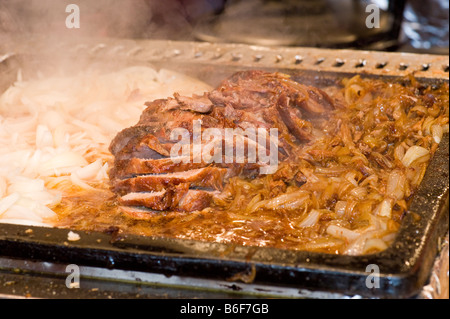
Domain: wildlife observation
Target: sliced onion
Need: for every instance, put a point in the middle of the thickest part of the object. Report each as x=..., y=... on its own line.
x=257, y=206
x=43, y=136
x=38, y=198
x=351, y=177
x=340, y=208
x=25, y=222
x=77, y=181
x=289, y=201
x=102, y=173
x=61, y=135
x=426, y=125
x=20, y=124
x=414, y=153
x=90, y=171
x=67, y=160
x=7, y=202
x=384, y=209
x=44, y=212
x=374, y=244
x=250, y=206
x=52, y=119
x=419, y=109
x=358, y=192
x=357, y=247
x=20, y=212
x=311, y=219
x=32, y=164
x=399, y=152
x=3, y=186
x=22, y=184
x=396, y=184
x=437, y=132
x=342, y=233
x=366, y=242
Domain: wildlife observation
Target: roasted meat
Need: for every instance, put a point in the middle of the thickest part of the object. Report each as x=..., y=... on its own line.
x=149, y=173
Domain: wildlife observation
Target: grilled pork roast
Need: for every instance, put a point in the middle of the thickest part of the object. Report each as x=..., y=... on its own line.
x=147, y=177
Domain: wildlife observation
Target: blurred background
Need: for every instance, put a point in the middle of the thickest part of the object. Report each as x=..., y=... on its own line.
x=401, y=25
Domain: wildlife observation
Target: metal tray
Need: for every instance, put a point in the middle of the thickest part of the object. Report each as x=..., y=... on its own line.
x=206, y=267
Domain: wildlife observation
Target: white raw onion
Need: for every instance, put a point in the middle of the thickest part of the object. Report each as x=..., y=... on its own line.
x=77, y=181
x=20, y=212
x=61, y=135
x=62, y=163
x=14, y=159
x=44, y=212
x=3, y=186
x=102, y=173
x=25, y=222
x=44, y=137
x=90, y=171
x=20, y=124
x=42, y=198
x=7, y=202
x=52, y=119
x=32, y=164
x=37, y=206
x=22, y=184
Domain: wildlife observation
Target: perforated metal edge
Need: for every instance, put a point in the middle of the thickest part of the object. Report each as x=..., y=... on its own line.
x=222, y=54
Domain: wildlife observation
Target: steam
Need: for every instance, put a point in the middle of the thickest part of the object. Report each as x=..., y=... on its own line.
x=171, y=19
x=49, y=23
x=97, y=18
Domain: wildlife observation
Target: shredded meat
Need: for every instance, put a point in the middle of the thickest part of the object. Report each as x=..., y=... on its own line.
x=144, y=174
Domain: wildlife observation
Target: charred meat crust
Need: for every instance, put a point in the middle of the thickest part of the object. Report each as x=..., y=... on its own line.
x=179, y=198
x=208, y=177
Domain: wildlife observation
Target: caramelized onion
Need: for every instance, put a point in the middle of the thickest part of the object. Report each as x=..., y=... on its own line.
x=414, y=153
